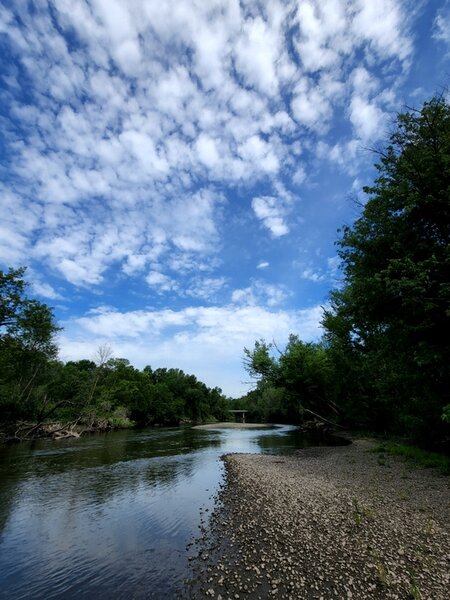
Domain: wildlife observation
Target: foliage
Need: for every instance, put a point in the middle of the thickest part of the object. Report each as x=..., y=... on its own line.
x=300, y=380
x=419, y=456
x=27, y=347
x=387, y=326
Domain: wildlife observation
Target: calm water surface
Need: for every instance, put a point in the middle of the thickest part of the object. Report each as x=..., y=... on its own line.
x=109, y=516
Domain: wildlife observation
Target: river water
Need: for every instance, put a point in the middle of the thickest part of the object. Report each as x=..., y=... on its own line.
x=110, y=515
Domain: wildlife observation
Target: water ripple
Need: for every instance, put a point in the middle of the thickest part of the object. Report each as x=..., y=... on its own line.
x=108, y=516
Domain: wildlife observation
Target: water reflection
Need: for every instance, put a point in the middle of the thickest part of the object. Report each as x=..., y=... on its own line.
x=110, y=515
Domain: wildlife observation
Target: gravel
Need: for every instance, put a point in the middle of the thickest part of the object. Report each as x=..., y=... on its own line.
x=325, y=523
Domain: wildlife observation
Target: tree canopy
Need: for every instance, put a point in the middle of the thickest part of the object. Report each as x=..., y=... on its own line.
x=391, y=316
x=27, y=346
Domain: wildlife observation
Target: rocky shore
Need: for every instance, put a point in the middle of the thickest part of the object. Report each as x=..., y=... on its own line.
x=326, y=523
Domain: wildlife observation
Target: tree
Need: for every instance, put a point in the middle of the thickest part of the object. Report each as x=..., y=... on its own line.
x=391, y=315
x=27, y=331
x=12, y=287
x=299, y=381
x=258, y=362
x=23, y=319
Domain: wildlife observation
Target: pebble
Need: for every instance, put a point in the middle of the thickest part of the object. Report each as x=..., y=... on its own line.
x=326, y=523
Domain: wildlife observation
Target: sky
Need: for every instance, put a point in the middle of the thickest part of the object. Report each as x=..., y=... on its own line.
x=173, y=174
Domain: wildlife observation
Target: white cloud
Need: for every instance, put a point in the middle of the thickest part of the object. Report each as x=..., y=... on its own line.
x=206, y=341
x=312, y=275
x=127, y=115
x=259, y=153
x=263, y=264
x=333, y=263
x=271, y=213
x=363, y=82
x=384, y=25
x=441, y=24
x=367, y=119
x=45, y=290
x=347, y=155
x=260, y=293
x=161, y=283
x=256, y=53
x=310, y=106
x=207, y=151
x=321, y=39
x=143, y=148
x=13, y=245
x=205, y=288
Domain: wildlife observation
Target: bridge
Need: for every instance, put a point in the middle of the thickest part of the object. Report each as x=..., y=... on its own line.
x=238, y=412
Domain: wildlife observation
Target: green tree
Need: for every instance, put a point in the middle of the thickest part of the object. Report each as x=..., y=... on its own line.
x=388, y=324
x=27, y=347
x=300, y=380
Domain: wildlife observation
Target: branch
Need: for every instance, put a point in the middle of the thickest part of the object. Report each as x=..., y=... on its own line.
x=323, y=418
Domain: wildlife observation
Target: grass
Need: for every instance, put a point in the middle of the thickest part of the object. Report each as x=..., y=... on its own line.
x=381, y=460
x=361, y=512
x=424, y=458
x=383, y=574
x=356, y=513
x=414, y=591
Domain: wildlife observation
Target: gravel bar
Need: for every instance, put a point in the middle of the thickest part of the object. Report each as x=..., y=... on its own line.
x=325, y=523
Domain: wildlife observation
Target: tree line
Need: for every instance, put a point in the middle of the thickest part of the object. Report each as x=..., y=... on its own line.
x=100, y=394
x=383, y=362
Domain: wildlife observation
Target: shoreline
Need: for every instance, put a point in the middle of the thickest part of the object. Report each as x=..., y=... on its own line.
x=326, y=523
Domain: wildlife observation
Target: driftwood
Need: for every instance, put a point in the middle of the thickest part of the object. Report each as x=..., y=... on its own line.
x=56, y=431
x=319, y=422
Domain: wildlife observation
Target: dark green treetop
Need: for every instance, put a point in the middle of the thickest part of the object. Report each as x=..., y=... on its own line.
x=393, y=309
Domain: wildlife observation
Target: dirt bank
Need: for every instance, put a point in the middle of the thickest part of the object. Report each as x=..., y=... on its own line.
x=326, y=523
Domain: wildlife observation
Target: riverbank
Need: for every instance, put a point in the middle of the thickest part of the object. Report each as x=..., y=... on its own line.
x=326, y=523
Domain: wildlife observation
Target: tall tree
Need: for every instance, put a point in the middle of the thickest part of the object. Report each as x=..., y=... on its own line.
x=298, y=381
x=390, y=320
x=27, y=331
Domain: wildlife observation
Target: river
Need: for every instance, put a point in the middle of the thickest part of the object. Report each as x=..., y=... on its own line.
x=110, y=515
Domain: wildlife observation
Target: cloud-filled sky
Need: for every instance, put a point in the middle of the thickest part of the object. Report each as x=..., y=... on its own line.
x=173, y=174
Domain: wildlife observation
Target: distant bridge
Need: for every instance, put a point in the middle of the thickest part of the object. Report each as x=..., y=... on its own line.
x=239, y=412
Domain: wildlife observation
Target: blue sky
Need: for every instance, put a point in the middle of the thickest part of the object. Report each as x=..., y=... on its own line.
x=173, y=174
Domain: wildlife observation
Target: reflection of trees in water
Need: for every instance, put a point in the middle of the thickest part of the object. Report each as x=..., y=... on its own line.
x=297, y=439
x=107, y=498
x=9, y=489
x=97, y=468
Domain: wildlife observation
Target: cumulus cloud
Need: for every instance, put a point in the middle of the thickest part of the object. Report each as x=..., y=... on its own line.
x=118, y=111
x=312, y=275
x=367, y=119
x=160, y=282
x=271, y=213
x=441, y=25
x=45, y=290
x=206, y=340
x=205, y=288
x=260, y=293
